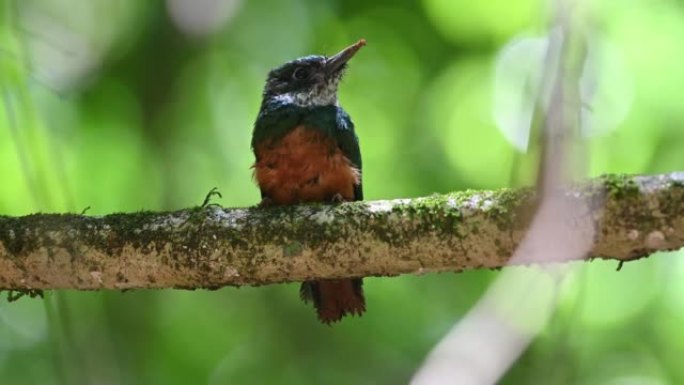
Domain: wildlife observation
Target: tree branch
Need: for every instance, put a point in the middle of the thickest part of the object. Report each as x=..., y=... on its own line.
x=213, y=246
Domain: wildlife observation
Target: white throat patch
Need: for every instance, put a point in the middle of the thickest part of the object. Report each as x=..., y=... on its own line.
x=321, y=95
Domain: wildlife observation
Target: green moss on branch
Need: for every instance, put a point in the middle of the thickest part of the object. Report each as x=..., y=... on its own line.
x=213, y=246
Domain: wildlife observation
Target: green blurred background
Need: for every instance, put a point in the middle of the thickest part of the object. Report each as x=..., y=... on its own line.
x=124, y=105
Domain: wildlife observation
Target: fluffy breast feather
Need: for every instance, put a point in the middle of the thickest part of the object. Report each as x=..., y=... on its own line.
x=304, y=166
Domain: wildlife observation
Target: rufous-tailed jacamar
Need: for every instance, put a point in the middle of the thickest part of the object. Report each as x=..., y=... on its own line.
x=307, y=151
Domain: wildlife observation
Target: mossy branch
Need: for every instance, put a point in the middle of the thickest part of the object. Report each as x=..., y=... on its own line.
x=632, y=216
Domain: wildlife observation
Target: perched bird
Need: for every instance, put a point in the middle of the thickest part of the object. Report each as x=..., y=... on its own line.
x=306, y=150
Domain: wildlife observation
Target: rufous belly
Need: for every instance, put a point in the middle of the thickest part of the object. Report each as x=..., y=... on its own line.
x=304, y=166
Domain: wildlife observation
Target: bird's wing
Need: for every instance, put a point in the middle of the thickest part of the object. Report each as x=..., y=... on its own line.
x=348, y=142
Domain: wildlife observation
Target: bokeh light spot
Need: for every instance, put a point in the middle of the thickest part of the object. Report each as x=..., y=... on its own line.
x=460, y=109
x=471, y=22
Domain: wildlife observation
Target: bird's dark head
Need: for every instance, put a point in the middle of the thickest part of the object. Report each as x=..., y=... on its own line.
x=311, y=80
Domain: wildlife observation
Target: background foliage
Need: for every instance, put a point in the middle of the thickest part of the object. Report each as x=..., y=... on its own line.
x=123, y=105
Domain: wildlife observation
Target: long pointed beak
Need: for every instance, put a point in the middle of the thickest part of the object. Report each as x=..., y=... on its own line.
x=335, y=63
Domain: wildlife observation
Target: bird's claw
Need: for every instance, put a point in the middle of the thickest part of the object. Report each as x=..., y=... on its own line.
x=337, y=198
x=266, y=202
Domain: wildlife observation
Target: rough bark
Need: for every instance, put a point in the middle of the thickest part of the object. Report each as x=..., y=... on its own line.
x=208, y=247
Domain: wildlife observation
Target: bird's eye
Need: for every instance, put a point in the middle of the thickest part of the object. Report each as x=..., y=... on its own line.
x=301, y=73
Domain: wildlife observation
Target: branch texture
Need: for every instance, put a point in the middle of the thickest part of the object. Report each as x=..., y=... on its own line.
x=632, y=216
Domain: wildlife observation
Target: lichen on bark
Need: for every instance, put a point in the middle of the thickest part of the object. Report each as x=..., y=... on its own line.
x=213, y=246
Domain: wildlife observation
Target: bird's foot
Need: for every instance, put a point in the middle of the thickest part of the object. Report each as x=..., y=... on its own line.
x=337, y=198
x=266, y=202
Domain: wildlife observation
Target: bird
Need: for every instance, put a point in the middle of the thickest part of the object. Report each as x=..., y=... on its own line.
x=306, y=150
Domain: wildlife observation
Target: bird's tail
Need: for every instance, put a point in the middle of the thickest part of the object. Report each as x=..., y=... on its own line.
x=334, y=298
